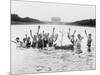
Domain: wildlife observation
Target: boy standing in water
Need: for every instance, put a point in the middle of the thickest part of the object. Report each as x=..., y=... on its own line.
x=72, y=38
x=28, y=42
x=40, y=42
x=89, y=41
x=24, y=43
x=34, y=42
x=45, y=39
x=78, y=44
x=18, y=42
x=34, y=39
x=51, y=39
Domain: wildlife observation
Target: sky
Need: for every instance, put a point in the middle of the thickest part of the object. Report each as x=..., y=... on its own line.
x=45, y=11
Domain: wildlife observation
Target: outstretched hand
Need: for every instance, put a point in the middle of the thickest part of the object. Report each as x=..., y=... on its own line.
x=25, y=34
x=85, y=32
x=53, y=29
x=69, y=29
x=39, y=27
x=74, y=31
x=30, y=31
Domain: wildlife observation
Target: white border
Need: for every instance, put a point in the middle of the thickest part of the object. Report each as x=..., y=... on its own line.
x=5, y=36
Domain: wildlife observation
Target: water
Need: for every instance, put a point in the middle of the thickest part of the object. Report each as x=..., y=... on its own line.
x=32, y=61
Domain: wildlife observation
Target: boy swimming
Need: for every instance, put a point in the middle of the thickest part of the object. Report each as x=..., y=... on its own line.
x=78, y=44
x=34, y=39
x=24, y=43
x=72, y=38
x=18, y=42
x=89, y=41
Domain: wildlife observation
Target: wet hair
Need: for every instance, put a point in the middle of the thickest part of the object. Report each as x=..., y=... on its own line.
x=28, y=37
x=17, y=38
x=35, y=35
x=90, y=34
x=72, y=35
x=24, y=39
x=40, y=35
x=78, y=35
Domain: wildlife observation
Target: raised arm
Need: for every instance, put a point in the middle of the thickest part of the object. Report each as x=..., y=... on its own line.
x=38, y=30
x=43, y=34
x=74, y=32
x=14, y=42
x=86, y=33
x=26, y=36
x=56, y=37
x=82, y=37
x=31, y=33
x=53, y=31
x=68, y=34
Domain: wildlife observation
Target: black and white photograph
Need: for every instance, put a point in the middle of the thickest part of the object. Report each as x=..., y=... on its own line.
x=52, y=37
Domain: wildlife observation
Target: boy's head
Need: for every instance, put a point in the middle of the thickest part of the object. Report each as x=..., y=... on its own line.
x=24, y=39
x=28, y=38
x=79, y=36
x=40, y=36
x=46, y=35
x=17, y=39
x=90, y=35
x=72, y=36
x=35, y=36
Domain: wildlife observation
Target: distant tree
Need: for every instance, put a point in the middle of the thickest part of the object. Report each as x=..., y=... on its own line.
x=17, y=19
